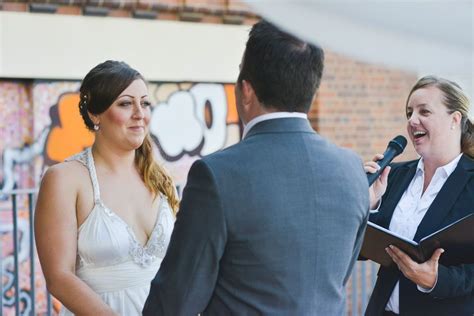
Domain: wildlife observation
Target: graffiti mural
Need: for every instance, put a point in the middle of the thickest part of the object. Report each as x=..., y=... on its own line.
x=190, y=121
x=40, y=125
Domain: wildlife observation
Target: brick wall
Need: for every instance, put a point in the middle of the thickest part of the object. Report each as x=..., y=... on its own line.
x=362, y=106
x=207, y=11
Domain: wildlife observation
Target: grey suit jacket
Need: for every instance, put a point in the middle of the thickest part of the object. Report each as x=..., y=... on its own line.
x=269, y=226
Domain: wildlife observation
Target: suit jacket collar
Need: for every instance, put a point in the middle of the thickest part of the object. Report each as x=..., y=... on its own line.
x=446, y=198
x=441, y=205
x=280, y=125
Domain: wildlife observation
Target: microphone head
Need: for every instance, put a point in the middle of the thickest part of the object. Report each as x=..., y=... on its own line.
x=398, y=143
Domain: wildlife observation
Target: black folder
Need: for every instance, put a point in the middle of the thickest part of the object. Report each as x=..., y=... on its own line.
x=457, y=240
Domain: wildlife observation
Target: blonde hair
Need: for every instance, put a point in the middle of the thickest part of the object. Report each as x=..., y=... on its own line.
x=455, y=100
x=155, y=177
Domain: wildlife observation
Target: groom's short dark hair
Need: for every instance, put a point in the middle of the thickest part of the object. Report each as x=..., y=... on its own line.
x=284, y=71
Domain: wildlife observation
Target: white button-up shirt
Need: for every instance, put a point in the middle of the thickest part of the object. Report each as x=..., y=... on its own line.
x=271, y=116
x=412, y=208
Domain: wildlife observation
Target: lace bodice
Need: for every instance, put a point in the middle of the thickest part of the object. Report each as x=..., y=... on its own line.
x=104, y=238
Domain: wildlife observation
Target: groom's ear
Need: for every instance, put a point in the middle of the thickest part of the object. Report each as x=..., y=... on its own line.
x=249, y=98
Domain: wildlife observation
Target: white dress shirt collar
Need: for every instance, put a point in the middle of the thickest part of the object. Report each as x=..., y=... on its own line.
x=271, y=116
x=447, y=169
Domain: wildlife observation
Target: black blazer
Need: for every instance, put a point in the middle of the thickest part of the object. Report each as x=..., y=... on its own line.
x=454, y=291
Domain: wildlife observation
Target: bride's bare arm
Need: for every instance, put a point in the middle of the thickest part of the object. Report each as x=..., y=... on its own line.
x=56, y=240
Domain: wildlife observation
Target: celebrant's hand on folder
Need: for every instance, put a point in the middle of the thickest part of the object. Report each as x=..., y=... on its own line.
x=456, y=239
x=423, y=274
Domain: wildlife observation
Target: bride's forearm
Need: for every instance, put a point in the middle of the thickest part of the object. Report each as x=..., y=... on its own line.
x=76, y=295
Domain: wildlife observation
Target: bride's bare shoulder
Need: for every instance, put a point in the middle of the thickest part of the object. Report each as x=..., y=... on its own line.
x=72, y=173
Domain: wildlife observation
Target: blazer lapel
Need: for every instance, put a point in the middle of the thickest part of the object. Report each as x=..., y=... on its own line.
x=400, y=184
x=446, y=198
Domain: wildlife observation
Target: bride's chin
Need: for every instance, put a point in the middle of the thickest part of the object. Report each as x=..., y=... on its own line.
x=136, y=144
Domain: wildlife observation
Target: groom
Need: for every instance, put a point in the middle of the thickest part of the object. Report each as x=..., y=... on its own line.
x=273, y=224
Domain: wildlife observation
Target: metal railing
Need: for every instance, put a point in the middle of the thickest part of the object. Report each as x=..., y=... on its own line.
x=360, y=287
x=21, y=263
x=16, y=222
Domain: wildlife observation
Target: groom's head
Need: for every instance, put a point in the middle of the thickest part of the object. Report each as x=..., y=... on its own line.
x=281, y=71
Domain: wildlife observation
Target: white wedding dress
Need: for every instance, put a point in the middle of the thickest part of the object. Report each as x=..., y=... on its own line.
x=109, y=257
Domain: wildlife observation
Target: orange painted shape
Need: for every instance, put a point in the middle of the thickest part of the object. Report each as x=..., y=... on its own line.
x=71, y=136
x=232, y=115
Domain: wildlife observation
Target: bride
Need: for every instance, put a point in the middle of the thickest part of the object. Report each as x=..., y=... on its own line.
x=104, y=217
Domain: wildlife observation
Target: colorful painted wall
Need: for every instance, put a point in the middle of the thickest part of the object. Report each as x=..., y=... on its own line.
x=40, y=125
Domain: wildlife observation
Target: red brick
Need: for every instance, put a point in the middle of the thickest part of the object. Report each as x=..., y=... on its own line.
x=361, y=106
x=121, y=13
x=13, y=6
x=69, y=10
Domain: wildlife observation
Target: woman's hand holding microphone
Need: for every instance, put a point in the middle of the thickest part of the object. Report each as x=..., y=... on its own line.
x=377, y=189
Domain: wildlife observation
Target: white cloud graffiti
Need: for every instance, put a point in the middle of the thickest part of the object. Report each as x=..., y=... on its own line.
x=179, y=124
x=175, y=125
x=215, y=135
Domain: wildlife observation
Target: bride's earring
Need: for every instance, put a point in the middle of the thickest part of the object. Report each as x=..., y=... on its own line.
x=96, y=127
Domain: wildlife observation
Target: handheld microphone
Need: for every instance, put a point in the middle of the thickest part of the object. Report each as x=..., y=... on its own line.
x=395, y=147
